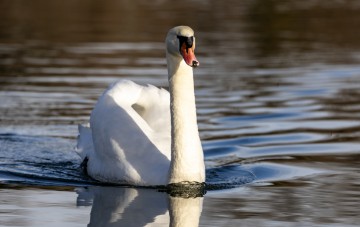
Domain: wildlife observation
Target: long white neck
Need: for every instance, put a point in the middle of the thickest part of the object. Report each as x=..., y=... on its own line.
x=187, y=158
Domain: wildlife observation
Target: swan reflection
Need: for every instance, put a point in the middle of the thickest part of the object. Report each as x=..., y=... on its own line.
x=116, y=206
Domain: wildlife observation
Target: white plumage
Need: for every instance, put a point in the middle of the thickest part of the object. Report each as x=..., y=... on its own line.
x=142, y=135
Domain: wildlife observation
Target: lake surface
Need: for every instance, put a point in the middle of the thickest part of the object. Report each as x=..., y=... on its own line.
x=278, y=98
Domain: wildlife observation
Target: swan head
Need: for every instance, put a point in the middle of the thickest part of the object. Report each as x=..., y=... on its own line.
x=180, y=43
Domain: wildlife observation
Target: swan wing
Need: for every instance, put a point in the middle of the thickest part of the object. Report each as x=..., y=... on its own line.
x=130, y=133
x=153, y=106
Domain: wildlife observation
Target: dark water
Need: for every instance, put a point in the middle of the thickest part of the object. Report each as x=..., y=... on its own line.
x=278, y=97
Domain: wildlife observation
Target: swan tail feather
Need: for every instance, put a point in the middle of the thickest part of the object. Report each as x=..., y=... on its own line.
x=84, y=145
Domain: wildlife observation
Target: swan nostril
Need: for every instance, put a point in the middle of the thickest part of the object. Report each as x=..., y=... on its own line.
x=195, y=64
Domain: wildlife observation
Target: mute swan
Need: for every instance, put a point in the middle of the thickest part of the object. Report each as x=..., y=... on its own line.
x=142, y=135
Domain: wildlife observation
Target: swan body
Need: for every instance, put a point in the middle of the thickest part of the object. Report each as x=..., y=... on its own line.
x=143, y=135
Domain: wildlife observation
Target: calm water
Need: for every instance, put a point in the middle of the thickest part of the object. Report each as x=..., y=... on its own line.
x=278, y=97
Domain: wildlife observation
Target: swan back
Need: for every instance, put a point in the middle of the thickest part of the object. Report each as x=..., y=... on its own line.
x=129, y=146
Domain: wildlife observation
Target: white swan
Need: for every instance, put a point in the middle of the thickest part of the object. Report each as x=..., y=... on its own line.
x=142, y=135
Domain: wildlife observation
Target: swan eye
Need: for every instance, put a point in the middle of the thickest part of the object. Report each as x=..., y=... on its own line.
x=189, y=41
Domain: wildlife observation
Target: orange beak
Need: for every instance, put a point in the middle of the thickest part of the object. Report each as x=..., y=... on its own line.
x=189, y=55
